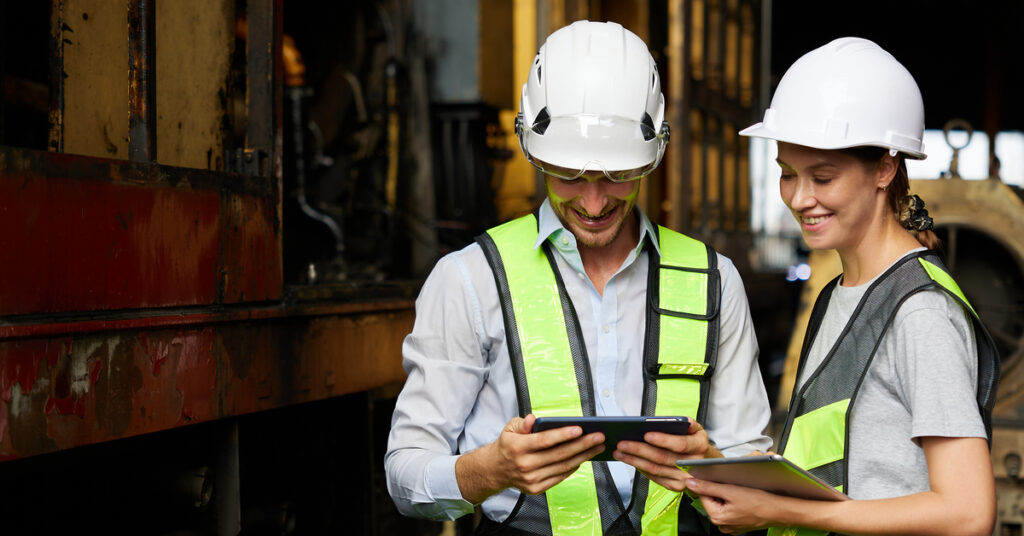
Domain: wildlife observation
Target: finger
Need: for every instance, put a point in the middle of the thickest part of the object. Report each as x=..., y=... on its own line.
x=516, y=426
x=546, y=475
x=708, y=488
x=573, y=452
x=566, y=456
x=695, y=444
x=669, y=477
x=658, y=454
x=545, y=483
x=558, y=436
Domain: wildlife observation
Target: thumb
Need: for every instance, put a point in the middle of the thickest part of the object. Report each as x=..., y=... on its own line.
x=520, y=425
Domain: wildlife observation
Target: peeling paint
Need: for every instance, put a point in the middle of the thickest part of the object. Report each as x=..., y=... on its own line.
x=158, y=350
x=197, y=375
x=20, y=365
x=115, y=389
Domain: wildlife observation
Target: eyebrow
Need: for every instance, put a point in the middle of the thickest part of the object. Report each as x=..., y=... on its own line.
x=812, y=167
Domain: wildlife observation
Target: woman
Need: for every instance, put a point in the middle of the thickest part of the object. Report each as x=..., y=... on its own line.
x=897, y=374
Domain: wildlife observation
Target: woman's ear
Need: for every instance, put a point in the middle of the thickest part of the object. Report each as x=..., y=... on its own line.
x=886, y=171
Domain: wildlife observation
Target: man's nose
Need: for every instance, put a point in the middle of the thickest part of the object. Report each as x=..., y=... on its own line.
x=593, y=194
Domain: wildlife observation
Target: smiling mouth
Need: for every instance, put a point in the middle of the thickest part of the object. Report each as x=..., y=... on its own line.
x=603, y=217
x=814, y=220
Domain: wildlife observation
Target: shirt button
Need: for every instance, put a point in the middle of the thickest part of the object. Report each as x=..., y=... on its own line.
x=565, y=240
x=606, y=329
x=606, y=393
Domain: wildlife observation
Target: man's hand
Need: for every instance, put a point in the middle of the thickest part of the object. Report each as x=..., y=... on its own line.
x=656, y=456
x=531, y=463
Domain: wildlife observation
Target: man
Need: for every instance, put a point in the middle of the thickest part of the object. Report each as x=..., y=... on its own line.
x=585, y=308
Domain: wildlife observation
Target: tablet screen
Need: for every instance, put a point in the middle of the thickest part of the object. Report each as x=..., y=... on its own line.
x=617, y=429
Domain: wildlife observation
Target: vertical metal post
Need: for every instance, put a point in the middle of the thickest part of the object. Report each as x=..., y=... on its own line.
x=721, y=204
x=56, y=113
x=142, y=80
x=678, y=191
x=264, y=83
x=227, y=488
x=3, y=72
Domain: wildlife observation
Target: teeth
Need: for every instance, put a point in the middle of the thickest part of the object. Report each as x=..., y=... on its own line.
x=814, y=220
x=589, y=217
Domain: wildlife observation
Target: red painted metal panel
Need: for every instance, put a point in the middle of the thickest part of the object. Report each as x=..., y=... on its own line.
x=72, y=390
x=88, y=234
x=97, y=245
x=252, y=263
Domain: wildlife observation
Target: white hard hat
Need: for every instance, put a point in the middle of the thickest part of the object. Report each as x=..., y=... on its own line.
x=848, y=93
x=593, y=101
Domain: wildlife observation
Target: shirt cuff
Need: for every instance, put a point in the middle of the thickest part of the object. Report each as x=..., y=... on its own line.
x=441, y=482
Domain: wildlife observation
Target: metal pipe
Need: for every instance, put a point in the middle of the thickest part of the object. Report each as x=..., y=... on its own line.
x=142, y=80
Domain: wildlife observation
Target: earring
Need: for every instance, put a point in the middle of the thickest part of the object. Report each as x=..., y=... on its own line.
x=885, y=187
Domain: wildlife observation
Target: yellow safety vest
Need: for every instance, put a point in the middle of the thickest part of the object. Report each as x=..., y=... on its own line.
x=552, y=374
x=816, y=435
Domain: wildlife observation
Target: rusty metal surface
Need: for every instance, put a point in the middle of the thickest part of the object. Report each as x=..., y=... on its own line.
x=264, y=82
x=93, y=36
x=89, y=234
x=55, y=140
x=69, y=390
x=195, y=83
x=141, y=80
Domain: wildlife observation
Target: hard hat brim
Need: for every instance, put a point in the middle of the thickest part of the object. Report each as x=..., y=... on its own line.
x=760, y=130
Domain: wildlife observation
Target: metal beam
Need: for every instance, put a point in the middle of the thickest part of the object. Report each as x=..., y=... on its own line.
x=142, y=80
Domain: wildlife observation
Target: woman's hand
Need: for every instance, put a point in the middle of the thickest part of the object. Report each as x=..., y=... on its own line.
x=738, y=509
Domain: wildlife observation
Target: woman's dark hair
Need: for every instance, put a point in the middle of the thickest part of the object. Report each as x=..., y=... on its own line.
x=909, y=209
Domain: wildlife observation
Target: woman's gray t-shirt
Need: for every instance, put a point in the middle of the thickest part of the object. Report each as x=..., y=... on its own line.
x=922, y=382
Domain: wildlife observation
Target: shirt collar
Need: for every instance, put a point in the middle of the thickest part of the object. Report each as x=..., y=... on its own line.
x=549, y=227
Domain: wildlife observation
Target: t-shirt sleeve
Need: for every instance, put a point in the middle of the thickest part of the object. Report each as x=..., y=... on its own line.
x=936, y=366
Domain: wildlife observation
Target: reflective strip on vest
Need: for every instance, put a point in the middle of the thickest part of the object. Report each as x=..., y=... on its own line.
x=819, y=437
x=681, y=350
x=550, y=374
x=943, y=278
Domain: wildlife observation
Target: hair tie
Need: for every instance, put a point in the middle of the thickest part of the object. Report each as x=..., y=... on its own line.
x=915, y=217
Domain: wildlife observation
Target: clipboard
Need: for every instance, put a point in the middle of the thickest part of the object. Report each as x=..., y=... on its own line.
x=770, y=472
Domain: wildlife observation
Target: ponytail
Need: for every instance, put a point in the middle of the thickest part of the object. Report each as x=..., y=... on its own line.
x=908, y=208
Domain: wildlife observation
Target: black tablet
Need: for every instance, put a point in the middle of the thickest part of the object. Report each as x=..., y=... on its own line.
x=770, y=472
x=616, y=429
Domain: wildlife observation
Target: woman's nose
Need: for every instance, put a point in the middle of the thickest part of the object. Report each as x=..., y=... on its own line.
x=802, y=195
